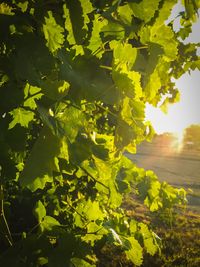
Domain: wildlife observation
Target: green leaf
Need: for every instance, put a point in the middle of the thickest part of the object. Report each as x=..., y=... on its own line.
x=42, y=261
x=80, y=72
x=6, y=9
x=165, y=11
x=124, y=134
x=155, y=53
x=21, y=116
x=115, y=237
x=39, y=211
x=128, y=82
x=36, y=57
x=130, y=127
x=103, y=165
x=135, y=253
x=48, y=223
x=74, y=16
x=53, y=33
x=169, y=100
x=95, y=42
x=113, y=30
x=145, y=9
x=185, y=32
x=125, y=14
x=162, y=35
x=191, y=9
x=115, y=199
x=148, y=238
x=123, y=54
x=92, y=211
x=76, y=13
x=50, y=121
x=107, y=141
x=31, y=94
x=87, y=9
x=68, y=25
x=132, y=111
x=133, y=226
x=41, y=162
x=100, y=151
x=123, y=186
x=152, y=86
x=54, y=89
x=77, y=262
x=150, y=246
x=23, y=6
x=72, y=120
x=95, y=232
x=80, y=150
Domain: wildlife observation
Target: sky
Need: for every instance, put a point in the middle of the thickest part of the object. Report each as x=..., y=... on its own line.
x=187, y=111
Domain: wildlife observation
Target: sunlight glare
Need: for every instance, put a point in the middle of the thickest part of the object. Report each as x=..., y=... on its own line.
x=178, y=142
x=180, y=115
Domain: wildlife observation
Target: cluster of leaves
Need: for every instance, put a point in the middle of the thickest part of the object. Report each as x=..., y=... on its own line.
x=74, y=81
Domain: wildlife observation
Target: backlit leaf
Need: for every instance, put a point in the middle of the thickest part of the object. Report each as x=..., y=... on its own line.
x=95, y=41
x=6, y=9
x=145, y=9
x=72, y=120
x=81, y=263
x=42, y=161
x=54, y=89
x=84, y=83
x=135, y=253
x=32, y=93
x=53, y=33
x=128, y=82
x=148, y=237
x=21, y=116
x=123, y=53
x=39, y=211
x=125, y=14
x=74, y=16
x=92, y=210
x=48, y=223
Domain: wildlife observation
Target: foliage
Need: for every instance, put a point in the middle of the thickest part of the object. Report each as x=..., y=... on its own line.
x=75, y=78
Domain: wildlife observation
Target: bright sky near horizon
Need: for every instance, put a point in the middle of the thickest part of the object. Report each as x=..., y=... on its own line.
x=187, y=110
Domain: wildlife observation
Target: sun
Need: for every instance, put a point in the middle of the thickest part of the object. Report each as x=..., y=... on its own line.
x=172, y=122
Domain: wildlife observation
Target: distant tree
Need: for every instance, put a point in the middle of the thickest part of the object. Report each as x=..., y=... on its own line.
x=192, y=137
